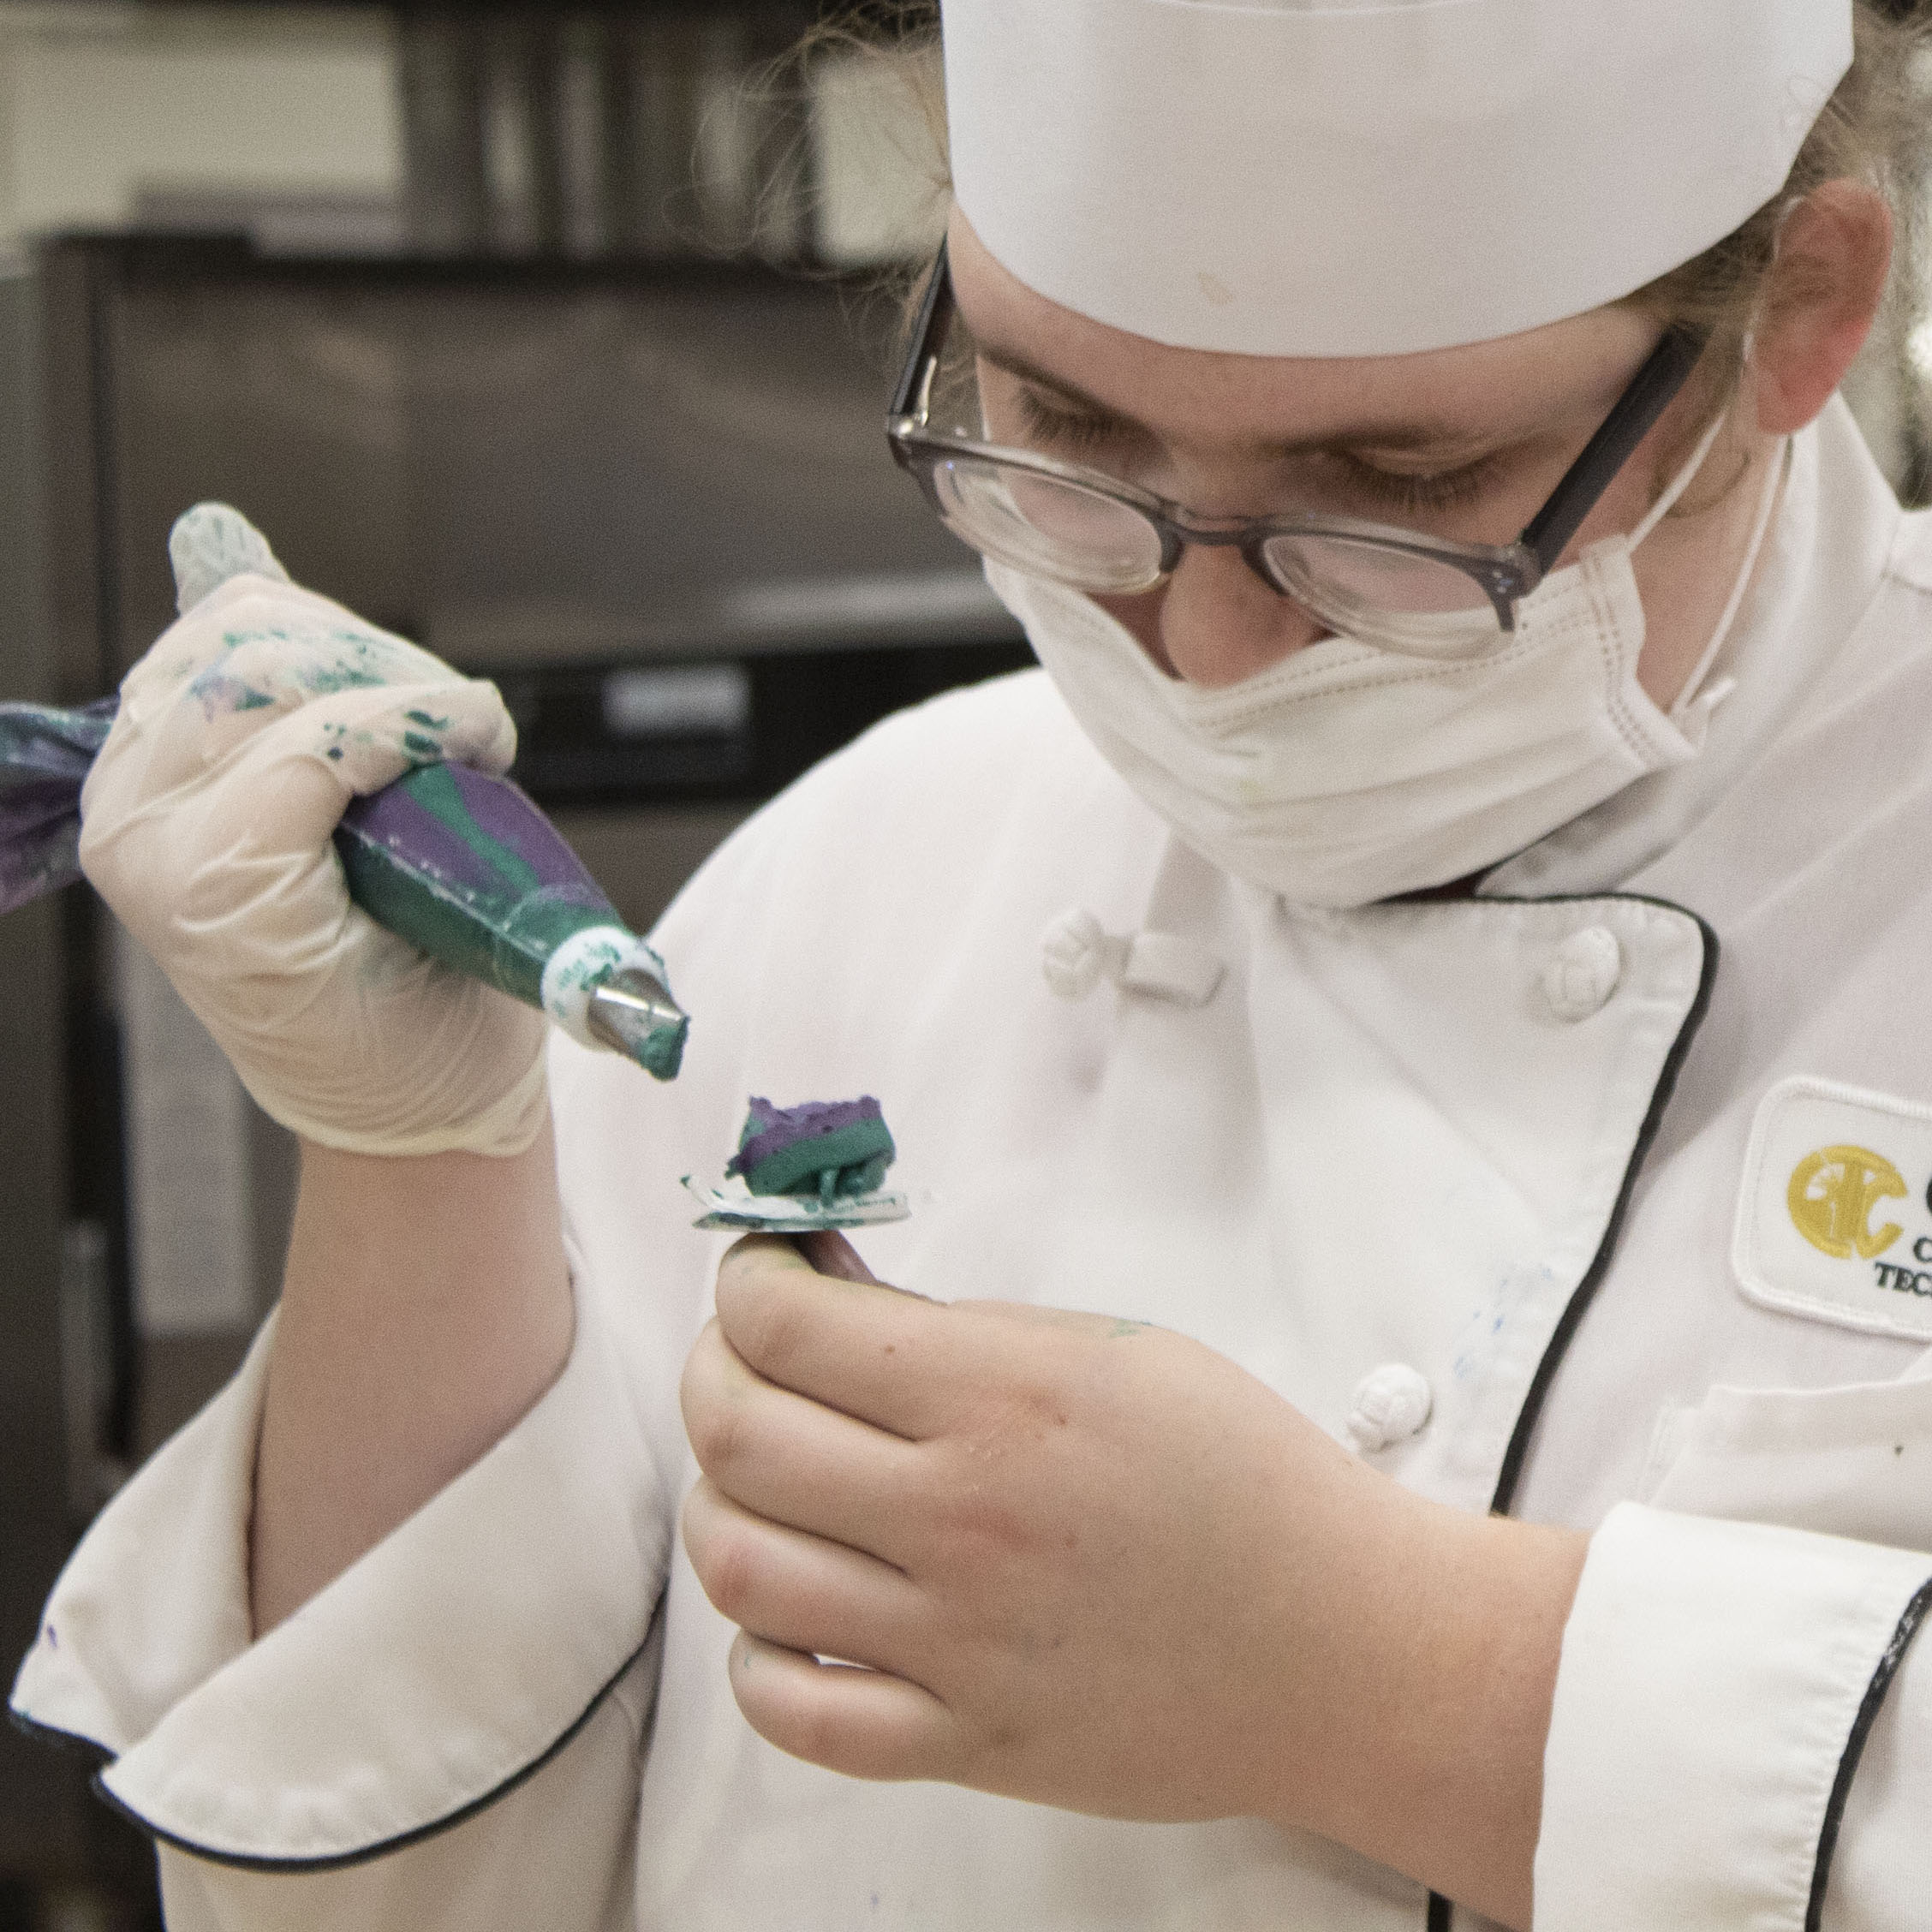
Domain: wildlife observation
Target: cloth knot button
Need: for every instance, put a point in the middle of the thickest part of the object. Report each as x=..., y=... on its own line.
x=1582, y=973
x=1390, y=1404
x=1077, y=952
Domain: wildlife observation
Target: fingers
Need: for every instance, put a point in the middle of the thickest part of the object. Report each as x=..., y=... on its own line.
x=791, y=1459
x=365, y=734
x=801, y=1591
x=862, y=1723
x=251, y=610
x=367, y=738
x=253, y=651
x=875, y=1352
x=275, y=775
x=211, y=543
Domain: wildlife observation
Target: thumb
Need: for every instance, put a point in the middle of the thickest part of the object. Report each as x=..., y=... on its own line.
x=211, y=543
x=826, y=1251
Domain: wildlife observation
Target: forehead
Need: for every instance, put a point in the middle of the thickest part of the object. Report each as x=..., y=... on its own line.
x=1512, y=386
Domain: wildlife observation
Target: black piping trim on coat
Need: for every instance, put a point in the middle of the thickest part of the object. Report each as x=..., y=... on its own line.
x=337, y=1861
x=60, y=1739
x=1894, y=1655
x=1572, y=1318
x=1440, y=1910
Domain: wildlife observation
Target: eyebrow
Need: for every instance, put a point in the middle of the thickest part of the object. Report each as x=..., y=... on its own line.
x=1375, y=436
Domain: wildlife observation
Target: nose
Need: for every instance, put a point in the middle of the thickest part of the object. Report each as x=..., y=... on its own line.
x=1216, y=622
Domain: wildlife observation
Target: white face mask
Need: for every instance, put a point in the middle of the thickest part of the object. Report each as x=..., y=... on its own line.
x=1346, y=774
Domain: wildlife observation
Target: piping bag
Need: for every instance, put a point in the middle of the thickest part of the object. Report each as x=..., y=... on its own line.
x=464, y=866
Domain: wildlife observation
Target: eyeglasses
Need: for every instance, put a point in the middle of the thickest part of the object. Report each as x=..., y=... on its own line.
x=1405, y=590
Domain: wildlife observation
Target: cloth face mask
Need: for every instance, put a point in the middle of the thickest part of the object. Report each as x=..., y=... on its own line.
x=1347, y=774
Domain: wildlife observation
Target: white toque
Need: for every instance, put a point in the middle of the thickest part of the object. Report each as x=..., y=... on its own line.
x=1371, y=177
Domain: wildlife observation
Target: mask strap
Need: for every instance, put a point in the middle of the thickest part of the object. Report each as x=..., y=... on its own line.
x=1681, y=482
x=1689, y=695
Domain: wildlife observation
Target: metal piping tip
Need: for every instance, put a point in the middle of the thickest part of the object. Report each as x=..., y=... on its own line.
x=633, y=1013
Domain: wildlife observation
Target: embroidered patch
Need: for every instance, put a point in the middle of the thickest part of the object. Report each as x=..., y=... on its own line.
x=1834, y=1218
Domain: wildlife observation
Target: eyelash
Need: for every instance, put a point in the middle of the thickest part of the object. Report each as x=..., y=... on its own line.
x=1062, y=427
x=1448, y=490
x=1085, y=435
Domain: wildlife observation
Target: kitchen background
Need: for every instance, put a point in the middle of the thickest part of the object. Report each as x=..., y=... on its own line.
x=558, y=339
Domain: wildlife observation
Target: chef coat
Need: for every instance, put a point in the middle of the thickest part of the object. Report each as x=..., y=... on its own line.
x=1572, y=1198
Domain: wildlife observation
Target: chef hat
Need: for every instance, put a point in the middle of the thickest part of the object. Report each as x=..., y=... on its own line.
x=1371, y=177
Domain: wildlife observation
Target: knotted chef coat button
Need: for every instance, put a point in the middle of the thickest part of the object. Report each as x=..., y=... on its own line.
x=1390, y=1404
x=1582, y=973
x=1077, y=953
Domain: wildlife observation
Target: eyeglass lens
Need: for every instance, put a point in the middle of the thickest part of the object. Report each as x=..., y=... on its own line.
x=1048, y=526
x=1053, y=527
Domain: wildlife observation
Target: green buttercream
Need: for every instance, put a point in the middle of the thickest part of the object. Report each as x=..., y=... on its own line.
x=340, y=677
x=505, y=945
x=503, y=937
x=663, y=1052
x=856, y=1157
x=435, y=791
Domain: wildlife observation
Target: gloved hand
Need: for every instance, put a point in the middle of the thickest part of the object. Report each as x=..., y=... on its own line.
x=206, y=824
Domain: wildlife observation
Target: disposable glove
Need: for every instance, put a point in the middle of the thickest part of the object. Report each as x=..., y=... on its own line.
x=206, y=824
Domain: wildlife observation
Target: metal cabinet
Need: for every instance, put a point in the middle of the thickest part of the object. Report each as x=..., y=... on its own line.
x=653, y=500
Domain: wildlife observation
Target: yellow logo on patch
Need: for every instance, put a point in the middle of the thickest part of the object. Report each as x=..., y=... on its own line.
x=1832, y=1194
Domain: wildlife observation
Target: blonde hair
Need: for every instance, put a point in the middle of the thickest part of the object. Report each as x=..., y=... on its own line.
x=1876, y=128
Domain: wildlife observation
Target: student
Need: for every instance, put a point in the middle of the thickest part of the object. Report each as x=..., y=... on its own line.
x=1408, y=1040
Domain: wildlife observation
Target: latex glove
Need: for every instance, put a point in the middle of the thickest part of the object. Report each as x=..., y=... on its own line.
x=206, y=824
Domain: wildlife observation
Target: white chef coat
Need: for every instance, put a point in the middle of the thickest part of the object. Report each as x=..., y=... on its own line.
x=1500, y=1150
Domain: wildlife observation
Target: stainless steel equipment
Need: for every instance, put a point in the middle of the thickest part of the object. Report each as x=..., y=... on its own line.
x=653, y=500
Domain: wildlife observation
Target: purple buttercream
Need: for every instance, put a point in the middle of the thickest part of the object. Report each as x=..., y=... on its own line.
x=393, y=818
x=45, y=754
x=511, y=849
x=504, y=816
x=775, y=1128
x=39, y=841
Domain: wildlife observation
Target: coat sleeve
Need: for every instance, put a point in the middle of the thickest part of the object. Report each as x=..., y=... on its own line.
x=1742, y=1733
x=556, y=1850
x=452, y=1725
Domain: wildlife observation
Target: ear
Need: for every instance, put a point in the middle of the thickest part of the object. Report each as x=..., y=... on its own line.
x=1834, y=254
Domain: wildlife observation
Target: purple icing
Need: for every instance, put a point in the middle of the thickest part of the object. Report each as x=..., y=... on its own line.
x=505, y=816
x=45, y=752
x=43, y=759
x=480, y=835
x=393, y=818
x=39, y=844
x=28, y=804
x=45, y=741
x=775, y=1128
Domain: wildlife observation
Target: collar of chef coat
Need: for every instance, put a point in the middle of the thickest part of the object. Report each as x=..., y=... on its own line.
x=1822, y=561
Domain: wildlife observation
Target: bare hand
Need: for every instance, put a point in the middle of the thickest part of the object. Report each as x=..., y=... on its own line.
x=1096, y=1565
x=1083, y=1561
